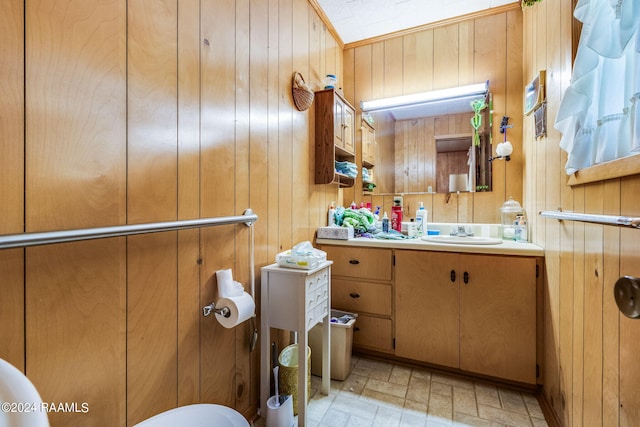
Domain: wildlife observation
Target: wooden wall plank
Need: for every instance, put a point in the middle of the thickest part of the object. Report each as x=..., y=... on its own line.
x=610, y=313
x=188, y=202
x=218, y=191
x=12, y=117
x=273, y=224
x=152, y=188
x=152, y=351
x=593, y=302
x=75, y=333
x=392, y=62
x=513, y=169
x=577, y=386
x=75, y=126
x=285, y=122
x=317, y=194
x=75, y=173
x=629, y=328
x=445, y=57
x=242, y=363
x=152, y=112
x=12, y=179
x=258, y=155
x=561, y=398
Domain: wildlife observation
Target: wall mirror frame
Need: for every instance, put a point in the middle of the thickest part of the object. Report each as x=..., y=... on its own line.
x=433, y=137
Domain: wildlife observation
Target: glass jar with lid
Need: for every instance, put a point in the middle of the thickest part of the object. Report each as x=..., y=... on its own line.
x=509, y=211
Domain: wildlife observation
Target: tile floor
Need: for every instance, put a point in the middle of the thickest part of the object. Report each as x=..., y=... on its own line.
x=378, y=393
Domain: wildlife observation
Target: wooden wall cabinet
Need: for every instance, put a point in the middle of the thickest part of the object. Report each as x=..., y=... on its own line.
x=335, y=135
x=472, y=312
x=362, y=283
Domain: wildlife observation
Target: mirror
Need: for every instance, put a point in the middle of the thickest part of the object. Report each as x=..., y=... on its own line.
x=422, y=145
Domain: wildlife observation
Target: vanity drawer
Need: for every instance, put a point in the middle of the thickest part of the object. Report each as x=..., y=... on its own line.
x=359, y=297
x=360, y=263
x=374, y=333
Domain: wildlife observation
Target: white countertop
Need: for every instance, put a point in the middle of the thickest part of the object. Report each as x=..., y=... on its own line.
x=507, y=247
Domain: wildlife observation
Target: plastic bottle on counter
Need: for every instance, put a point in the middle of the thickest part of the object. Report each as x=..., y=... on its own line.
x=396, y=216
x=331, y=220
x=385, y=223
x=421, y=220
x=520, y=226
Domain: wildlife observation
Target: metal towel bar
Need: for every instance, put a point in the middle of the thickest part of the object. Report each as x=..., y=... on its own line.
x=22, y=240
x=622, y=221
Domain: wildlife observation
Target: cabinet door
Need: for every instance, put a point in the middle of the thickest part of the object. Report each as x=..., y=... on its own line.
x=368, y=145
x=498, y=317
x=348, y=125
x=373, y=332
x=338, y=121
x=427, y=307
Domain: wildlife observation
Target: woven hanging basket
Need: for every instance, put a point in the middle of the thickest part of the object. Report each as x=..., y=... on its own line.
x=302, y=94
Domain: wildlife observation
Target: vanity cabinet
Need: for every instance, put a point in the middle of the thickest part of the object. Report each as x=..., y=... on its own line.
x=361, y=283
x=467, y=311
x=335, y=136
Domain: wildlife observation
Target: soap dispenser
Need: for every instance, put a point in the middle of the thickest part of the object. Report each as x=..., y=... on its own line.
x=421, y=220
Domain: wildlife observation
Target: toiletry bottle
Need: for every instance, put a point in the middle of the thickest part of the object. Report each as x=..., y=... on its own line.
x=385, y=223
x=421, y=218
x=331, y=220
x=353, y=206
x=396, y=216
x=520, y=226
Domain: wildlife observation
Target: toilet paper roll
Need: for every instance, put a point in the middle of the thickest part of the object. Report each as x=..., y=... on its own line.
x=240, y=309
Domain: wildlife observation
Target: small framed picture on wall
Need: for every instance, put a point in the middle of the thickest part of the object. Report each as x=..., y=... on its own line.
x=534, y=93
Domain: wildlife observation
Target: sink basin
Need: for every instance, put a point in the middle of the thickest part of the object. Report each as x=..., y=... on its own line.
x=463, y=240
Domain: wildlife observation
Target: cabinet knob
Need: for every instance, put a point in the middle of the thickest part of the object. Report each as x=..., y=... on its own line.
x=354, y=295
x=354, y=261
x=465, y=278
x=453, y=276
x=356, y=329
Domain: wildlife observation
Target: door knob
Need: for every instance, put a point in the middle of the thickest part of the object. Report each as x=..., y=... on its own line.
x=627, y=294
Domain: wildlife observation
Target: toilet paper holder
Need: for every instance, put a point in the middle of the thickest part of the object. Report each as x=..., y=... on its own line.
x=211, y=308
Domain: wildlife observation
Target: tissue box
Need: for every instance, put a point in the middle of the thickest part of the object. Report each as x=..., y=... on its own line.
x=336, y=233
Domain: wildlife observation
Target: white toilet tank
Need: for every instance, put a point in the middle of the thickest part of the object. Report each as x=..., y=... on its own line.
x=198, y=415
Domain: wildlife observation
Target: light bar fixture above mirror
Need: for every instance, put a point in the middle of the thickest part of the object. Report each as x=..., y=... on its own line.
x=446, y=101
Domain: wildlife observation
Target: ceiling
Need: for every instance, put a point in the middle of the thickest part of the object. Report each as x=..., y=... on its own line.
x=356, y=20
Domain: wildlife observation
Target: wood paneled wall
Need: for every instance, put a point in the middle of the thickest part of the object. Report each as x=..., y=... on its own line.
x=466, y=52
x=591, y=370
x=116, y=112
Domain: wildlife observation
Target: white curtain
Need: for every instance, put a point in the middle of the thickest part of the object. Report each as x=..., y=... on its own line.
x=599, y=115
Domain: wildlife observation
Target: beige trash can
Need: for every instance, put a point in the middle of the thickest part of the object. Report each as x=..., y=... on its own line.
x=341, y=343
x=288, y=384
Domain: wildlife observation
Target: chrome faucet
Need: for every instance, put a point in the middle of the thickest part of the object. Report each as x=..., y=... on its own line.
x=462, y=231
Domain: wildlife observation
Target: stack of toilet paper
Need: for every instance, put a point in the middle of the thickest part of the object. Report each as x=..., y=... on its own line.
x=227, y=287
x=231, y=294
